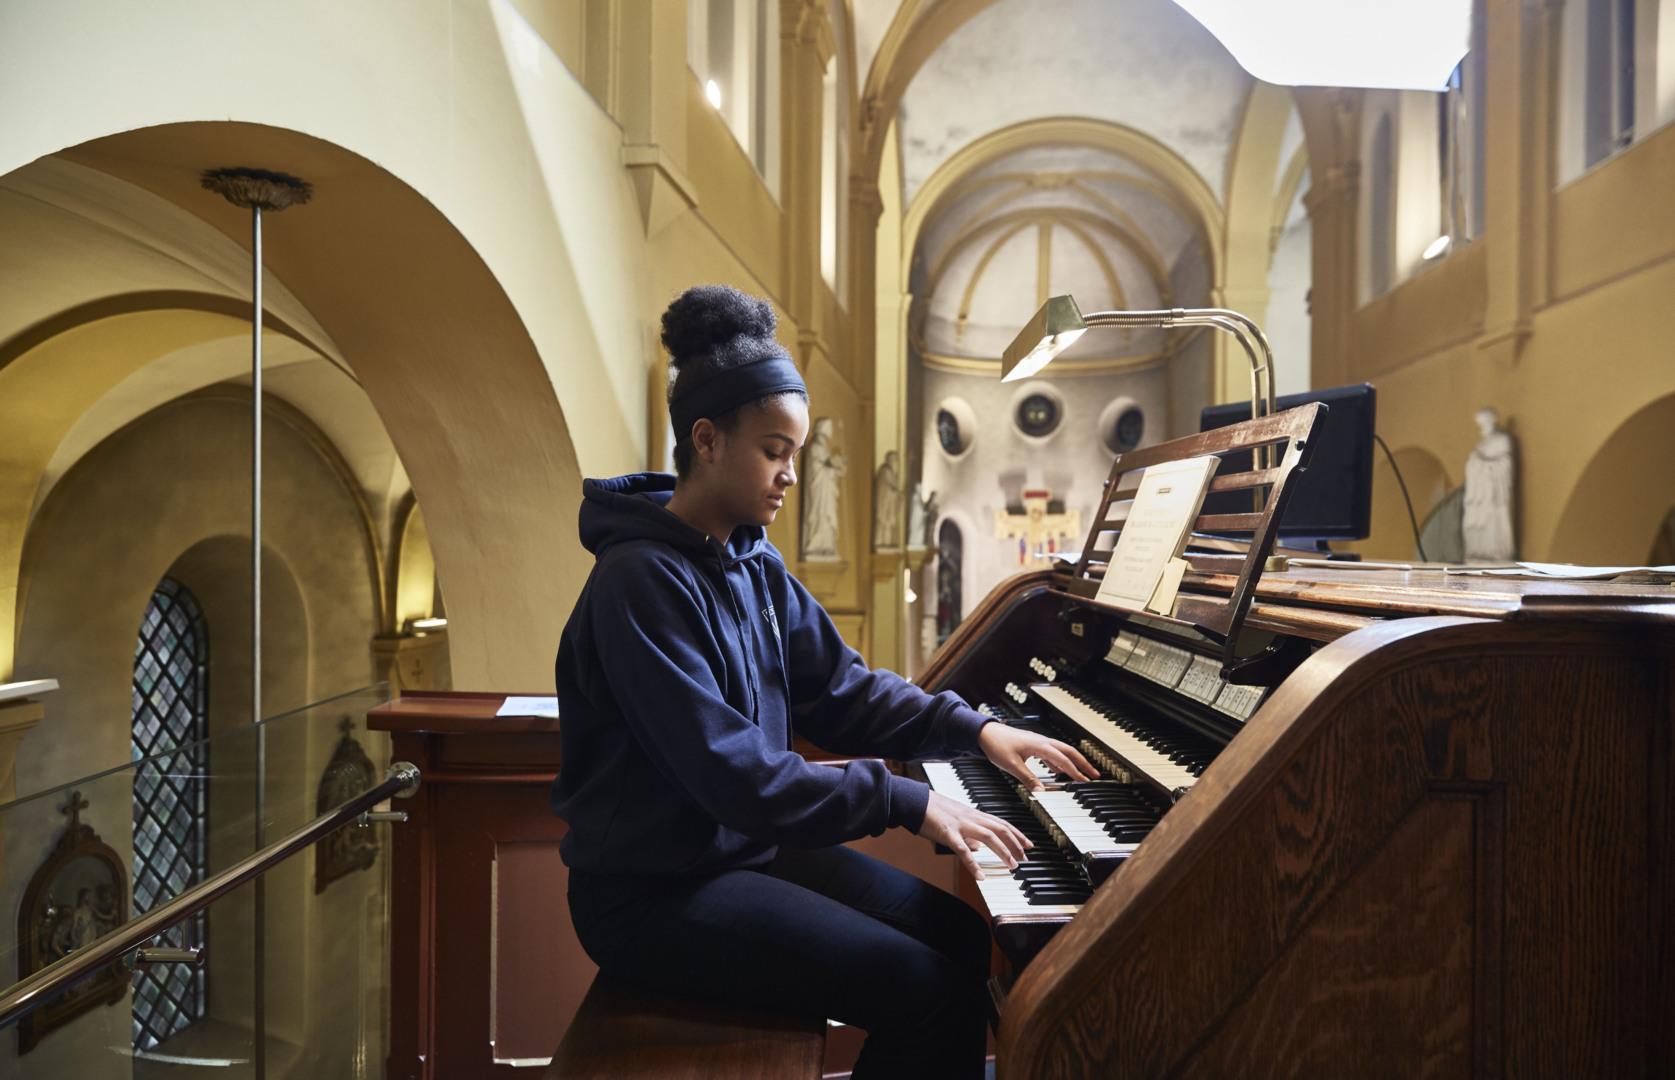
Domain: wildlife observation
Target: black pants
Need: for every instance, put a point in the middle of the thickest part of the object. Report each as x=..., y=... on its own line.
x=830, y=933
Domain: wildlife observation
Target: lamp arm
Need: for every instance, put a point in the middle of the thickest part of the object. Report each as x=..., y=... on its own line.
x=1262, y=341
x=1229, y=322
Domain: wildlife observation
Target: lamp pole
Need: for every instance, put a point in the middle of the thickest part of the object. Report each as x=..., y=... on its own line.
x=257, y=190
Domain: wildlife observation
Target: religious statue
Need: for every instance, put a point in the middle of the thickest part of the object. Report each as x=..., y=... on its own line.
x=886, y=506
x=1486, y=523
x=823, y=468
x=918, y=531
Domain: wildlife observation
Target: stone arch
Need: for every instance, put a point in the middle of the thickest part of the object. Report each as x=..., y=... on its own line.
x=469, y=403
x=1617, y=506
x=1186, y=188
x=171, y=482
x=1428, y=484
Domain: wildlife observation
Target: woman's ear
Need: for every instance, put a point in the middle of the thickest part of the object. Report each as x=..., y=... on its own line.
x=705, y=440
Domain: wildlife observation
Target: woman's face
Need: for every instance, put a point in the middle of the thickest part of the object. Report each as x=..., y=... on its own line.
x=755, y=463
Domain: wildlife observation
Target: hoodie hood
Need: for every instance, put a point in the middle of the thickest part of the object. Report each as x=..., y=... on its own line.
x=635, y=507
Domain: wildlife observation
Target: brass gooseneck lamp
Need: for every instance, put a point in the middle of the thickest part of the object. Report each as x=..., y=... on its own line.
x=1060, y=323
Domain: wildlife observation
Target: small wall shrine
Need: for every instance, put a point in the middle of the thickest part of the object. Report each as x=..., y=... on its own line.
x=347, y=774
x=1043, y=528
x=79, y=894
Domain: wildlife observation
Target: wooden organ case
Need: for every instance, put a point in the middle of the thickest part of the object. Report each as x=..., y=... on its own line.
x=1430, y=834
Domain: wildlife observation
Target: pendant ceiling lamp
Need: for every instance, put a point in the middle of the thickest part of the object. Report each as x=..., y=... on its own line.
x=257, y=190
x=1386, y=44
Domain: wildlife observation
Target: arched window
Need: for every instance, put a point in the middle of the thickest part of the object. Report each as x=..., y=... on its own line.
x=834, y=158
x=732, y=46
x=171, y=719
x=950, y=558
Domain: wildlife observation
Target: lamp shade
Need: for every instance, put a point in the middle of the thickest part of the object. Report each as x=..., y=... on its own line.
x=1388, y=44
x=1053, y=329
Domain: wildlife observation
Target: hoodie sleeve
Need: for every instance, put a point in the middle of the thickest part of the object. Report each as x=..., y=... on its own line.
x=664, y=668
x=841, y=705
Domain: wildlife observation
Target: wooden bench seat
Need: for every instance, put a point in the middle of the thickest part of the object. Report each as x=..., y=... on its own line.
x=624, y=1034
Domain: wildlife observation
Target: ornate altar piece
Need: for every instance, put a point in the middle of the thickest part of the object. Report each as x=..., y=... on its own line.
x=349, y=773
x=79, y=894
x=1038, y=531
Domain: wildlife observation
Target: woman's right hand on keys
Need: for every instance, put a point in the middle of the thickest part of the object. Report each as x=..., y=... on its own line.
x=965, y=830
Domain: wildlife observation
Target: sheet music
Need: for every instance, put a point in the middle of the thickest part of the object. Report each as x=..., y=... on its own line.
x=1156, y=531
x=529, y=706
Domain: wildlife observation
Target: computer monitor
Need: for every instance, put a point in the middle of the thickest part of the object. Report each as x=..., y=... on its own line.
x=1333, y=500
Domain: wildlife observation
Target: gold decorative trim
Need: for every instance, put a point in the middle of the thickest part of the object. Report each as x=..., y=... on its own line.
x=1057, y=216
x=1207, y=215
x=1290, y=181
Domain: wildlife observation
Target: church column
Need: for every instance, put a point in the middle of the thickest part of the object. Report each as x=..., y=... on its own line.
x=1332, y=129
x=807, y=46
x=1517, y=172
x=875, y=308
x=1247, y=248
x=650, y=99
x=17, y=718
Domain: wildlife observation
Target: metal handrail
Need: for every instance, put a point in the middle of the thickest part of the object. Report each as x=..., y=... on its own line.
x=400, y=781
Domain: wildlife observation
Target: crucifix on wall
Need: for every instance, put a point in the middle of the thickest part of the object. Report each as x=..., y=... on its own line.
x=1038, y=532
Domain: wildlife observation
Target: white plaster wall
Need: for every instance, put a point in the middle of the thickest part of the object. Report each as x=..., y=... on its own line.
x=1143, y=63
x=1072, y=461
x=1418, y=187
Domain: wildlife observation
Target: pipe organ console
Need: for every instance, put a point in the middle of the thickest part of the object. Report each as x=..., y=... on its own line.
x=1437, y=839
x=1351, y=822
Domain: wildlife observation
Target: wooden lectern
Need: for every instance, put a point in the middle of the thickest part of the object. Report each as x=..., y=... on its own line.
x=485, y=971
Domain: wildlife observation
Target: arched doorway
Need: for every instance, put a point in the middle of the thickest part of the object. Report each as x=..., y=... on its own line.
x=1620, y=502
x=950, y=563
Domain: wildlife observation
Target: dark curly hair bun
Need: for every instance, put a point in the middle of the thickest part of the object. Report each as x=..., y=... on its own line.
x=719, y=320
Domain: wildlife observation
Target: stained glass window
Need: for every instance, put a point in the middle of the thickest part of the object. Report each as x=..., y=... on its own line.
x=170, y=722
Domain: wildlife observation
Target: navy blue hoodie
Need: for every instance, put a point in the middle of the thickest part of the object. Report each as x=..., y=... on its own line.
x=682, y=673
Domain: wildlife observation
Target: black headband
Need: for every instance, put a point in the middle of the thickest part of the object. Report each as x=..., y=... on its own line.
x=729, y=389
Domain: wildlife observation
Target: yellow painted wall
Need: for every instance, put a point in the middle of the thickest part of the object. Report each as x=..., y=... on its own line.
x=482, y=246
x=1558, y=316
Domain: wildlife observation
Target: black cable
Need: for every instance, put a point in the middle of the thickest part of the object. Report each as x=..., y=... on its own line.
x=1417, y=543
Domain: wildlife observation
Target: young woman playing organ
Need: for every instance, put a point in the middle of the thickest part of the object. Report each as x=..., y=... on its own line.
x=706, y=857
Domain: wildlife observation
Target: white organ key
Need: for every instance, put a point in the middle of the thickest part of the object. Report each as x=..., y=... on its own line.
x=1156, y=766
x=1077, y=825
x=1001, y=892
x=1005, y=896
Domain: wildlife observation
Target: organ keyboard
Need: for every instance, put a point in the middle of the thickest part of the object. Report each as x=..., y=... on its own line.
x=1150, y=714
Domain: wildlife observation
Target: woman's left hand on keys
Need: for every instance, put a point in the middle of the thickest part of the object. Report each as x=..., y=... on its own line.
x=1011, y=748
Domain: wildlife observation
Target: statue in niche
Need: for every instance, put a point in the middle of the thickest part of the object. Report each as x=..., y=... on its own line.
x=1486, y=519
x=823, y=468
x=886, y=506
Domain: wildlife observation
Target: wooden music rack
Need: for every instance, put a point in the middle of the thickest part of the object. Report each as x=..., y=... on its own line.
x=1218, y=618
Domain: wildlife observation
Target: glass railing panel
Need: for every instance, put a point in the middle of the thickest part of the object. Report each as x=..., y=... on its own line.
x=84, y=857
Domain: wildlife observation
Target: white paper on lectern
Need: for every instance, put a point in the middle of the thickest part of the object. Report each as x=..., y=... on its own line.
x=1159, y=522
x=529, y=706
